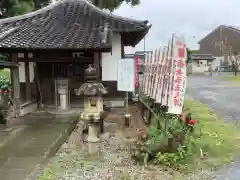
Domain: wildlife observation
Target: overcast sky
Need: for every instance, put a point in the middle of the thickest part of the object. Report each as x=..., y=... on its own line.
x=191, y=18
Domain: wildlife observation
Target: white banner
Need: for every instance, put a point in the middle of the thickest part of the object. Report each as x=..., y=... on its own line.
x=157, y=74
x=159, y=94
x=180, y=77
x=150, y=72
x=125, y=75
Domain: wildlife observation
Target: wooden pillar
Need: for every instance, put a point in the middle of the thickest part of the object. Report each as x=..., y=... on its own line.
x=96, y=62
x=15, y=85
x=28, y=83
x=100, y=66
x=122, y=48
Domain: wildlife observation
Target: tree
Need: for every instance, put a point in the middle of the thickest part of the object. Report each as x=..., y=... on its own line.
x=196, y=51
x=113, y=4
x=10, y=8
x=228, y=52
x=189, y=56
x=235, y=62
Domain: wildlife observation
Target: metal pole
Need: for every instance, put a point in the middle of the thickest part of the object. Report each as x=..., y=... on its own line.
x=144, y=45
x=126, y=105
x=56, y=95
x=127, y=116
x=69, y=99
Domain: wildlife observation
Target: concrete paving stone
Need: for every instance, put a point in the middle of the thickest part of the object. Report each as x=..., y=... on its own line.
x=13, y=174
x=3, y=160
x=41, y=141
x=9, y=135
x=16, y=163
x=20, y=155
x=31, y=152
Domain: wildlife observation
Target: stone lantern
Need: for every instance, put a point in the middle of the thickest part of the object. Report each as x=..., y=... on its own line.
x=92, y=90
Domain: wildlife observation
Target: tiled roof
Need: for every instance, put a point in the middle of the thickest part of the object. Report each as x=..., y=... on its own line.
x=202, y=57
x=68, y=24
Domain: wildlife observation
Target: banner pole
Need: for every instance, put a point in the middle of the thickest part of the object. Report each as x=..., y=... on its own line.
x=126, y=104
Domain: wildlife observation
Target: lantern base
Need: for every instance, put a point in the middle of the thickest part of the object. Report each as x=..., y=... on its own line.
x=93, y=133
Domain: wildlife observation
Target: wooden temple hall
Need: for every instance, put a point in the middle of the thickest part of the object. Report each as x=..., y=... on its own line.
x=54, y=45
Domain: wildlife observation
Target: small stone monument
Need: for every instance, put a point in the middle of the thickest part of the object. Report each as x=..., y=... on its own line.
x=61, y=94
x=92, y=91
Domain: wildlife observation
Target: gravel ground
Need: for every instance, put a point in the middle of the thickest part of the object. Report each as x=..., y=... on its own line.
x=113, y=163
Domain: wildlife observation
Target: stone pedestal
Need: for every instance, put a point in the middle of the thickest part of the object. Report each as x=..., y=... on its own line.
x=93, y=140
x=93, y=148
x=93, y=133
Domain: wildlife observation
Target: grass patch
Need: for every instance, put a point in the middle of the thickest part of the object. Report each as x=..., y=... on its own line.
x=218, y=140
x=213, y=138
x=231, y=78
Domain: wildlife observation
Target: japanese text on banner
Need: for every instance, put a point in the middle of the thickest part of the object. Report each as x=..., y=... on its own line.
x=179, y=83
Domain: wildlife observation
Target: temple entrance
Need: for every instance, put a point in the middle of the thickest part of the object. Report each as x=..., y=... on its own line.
x=49, y=72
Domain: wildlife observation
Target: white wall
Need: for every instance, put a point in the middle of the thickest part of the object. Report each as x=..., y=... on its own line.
x=22, y=77
x=216, y=62
x=22, y=74
x=201, y=67
x=31, y=71
x=110, y=61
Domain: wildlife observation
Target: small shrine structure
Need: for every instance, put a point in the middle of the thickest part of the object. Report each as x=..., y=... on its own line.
x=54, y=45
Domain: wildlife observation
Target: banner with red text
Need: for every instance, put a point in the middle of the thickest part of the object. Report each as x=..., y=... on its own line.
x=178, y=85
x=136, y=78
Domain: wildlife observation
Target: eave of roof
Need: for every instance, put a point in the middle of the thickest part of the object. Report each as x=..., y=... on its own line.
x=203, y=57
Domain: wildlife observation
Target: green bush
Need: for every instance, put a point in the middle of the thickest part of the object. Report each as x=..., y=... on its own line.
x=5, y=88
x=172, y=147
x=5, y=84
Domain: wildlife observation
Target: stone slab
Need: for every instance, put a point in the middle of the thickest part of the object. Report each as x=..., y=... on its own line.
x=31, y=152
x=7, y=136
x=17, y=163
x=33, y=146
x=13, y=174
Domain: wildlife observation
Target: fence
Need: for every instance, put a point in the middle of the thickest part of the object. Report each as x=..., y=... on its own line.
x=164, y=79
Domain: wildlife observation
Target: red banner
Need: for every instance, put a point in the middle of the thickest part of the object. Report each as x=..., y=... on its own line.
x=136, y=59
